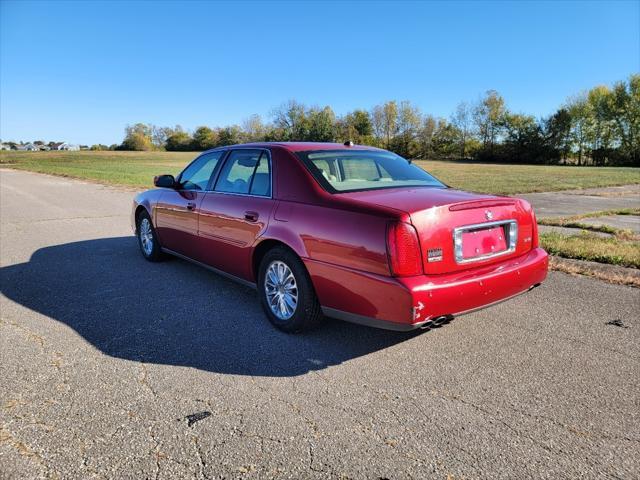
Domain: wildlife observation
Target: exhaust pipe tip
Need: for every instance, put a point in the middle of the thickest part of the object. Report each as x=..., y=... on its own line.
x=436, y=322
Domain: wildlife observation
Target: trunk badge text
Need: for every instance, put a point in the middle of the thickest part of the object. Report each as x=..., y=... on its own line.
x=434, y=255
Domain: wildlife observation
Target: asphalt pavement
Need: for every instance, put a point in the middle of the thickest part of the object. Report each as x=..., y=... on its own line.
x=577, y=202
x=113, y=367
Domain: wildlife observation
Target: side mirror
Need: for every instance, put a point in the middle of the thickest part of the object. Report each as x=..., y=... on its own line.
x=164, y=181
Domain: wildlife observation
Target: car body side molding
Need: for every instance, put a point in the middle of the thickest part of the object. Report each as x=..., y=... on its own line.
x=239, y=280
x=369, y=321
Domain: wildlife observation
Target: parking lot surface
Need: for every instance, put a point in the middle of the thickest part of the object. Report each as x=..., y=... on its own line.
x=113, y=367
x=578, y=202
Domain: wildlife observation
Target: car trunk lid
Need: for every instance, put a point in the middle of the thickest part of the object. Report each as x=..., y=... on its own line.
x=474, y=233
x=460, y=230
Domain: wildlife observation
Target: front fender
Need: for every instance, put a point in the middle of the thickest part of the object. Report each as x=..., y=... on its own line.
x=148, y=201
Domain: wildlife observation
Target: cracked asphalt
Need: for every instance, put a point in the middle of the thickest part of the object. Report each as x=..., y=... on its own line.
x=112, y=367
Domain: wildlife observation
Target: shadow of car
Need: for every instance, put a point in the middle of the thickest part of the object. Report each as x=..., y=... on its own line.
x=173, y=313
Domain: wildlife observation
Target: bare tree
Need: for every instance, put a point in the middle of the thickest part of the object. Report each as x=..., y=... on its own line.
x=462, y=120
x=385, y=121
x=253, y=128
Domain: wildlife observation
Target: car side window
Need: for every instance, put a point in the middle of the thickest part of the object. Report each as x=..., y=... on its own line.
x=245, y=171
x=261, y=183
x=196, y=176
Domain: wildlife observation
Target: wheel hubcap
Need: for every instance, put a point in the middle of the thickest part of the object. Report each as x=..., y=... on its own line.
x=281, y=289
x=146, y=236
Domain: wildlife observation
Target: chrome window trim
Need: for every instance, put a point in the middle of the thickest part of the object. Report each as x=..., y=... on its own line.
x=226, y=158
x=457, y=240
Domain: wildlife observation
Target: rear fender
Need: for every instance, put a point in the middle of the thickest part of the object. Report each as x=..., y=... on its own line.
x=280, y=232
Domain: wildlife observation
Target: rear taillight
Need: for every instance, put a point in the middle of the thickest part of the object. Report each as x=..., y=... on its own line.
x=404, y=250
x=534, y=240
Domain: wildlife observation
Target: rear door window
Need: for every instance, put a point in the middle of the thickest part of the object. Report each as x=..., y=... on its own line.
x=245, y=172
x=261, y=183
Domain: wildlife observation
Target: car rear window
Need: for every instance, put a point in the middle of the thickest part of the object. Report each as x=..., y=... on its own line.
x=348, y=171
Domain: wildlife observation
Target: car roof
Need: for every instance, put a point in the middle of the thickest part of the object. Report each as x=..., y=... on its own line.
x=304, y=146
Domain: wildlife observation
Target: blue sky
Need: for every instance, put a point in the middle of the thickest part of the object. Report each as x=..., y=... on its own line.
x=80, y=71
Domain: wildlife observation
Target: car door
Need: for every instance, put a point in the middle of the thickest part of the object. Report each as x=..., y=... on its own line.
x=176, y=213
x=237, y=211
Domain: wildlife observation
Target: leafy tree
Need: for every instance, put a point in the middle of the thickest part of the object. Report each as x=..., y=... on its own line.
x=137, y=137
x=361, y=123
x=580, y=113
x=355, y=126
x=385, y=122
x=523, y=141
x=179, y=141
x=445, y=140
x=408, y=123
x=204, y=138
x=229, y=135
x=425, y=137
x=321, y=125
x=488, y=117
x=601, y=126
x=625, y=112
x=558, y=135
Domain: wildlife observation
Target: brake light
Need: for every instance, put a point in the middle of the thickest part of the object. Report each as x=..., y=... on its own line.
x=403, y=247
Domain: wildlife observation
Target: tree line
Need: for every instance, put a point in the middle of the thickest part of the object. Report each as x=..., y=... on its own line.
x=598, y=127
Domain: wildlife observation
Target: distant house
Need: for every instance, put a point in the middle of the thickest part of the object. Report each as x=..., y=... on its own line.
x=64, y=146
x=5, y=146
x=30, y=147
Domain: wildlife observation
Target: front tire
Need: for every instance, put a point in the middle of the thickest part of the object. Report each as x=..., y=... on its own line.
x=286, y=292
x=148, y=239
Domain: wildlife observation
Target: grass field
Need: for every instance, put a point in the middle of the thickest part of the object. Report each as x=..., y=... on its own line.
x=586, y=246
x=137, y=169
x=622, y=248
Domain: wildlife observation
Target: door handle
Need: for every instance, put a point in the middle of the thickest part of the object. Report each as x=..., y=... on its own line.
x=191, y=206
x=251, y=216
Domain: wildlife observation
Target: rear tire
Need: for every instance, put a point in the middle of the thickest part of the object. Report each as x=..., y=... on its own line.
x=147, y=238
x=286, y=292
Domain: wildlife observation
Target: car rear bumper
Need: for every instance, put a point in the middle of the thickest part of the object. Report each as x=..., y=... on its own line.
x=414, y=302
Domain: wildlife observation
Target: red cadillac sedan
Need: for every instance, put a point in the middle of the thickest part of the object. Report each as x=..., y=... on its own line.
x=350, y=232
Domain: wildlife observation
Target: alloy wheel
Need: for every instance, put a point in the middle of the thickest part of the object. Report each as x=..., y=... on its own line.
x=281, y=289
x=146, y=236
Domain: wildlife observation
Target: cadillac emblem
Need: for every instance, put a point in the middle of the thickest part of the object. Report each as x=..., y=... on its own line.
x=488, y=214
